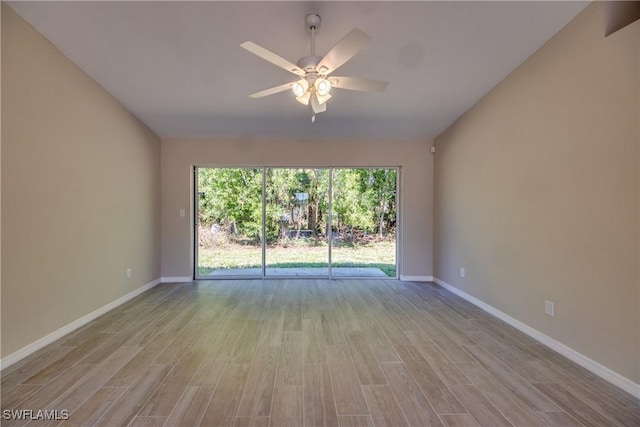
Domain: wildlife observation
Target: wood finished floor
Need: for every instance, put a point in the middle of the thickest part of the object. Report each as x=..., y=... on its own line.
x=308, y=353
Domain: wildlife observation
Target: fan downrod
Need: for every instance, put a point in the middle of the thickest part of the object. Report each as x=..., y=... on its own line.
x=309, y=63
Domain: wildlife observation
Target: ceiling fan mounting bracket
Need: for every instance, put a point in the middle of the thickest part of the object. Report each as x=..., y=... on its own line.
x=312, y=21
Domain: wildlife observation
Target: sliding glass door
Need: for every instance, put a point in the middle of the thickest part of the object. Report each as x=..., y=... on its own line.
x=228, y=222
x=364, y=222
x=295, y=222
x=297, y=204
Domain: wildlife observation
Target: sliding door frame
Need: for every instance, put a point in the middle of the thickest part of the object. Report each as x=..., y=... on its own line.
x=263, y=275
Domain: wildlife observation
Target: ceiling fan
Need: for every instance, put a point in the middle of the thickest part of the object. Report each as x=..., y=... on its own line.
x=315, y=83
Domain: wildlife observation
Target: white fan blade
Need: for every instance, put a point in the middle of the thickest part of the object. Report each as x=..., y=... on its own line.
x=316, y=106
x=343, y=51
x=272, y=90
x=357, y=83
x=274, y=58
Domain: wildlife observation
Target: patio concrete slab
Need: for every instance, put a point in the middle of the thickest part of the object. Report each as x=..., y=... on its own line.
x=301, y=272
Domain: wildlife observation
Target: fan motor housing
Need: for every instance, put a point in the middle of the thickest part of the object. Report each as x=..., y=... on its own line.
x=309, y=63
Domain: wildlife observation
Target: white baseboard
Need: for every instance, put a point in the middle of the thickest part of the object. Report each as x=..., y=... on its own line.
x=416, y=278
x=48, y=339
x=176, y=279
x=579, y=358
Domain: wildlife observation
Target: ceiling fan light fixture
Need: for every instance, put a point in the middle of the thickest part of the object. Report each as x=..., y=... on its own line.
x=323, y=87
x=300, y=87
x=304, y=99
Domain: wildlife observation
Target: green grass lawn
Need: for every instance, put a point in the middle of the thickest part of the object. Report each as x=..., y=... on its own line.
x=299, y=255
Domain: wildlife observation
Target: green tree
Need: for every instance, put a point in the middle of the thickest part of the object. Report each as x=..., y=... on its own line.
x=364, y=200
x=231, y=198
x=381, y=186
x=351, y=205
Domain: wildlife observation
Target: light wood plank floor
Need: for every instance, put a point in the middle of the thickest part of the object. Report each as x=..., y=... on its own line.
x=307, y=353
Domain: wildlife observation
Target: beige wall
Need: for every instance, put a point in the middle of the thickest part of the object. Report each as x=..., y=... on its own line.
x=414, y=158
x=537, y=193
x=1, y=8
x=80, y=191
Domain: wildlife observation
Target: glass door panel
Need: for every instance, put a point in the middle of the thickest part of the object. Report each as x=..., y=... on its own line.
x=296, y=212
x=364, y=222
x=228, y=222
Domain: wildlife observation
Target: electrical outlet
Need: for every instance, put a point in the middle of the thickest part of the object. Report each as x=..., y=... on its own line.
x=549, y=308
x=129, y=273
x=182, y=213
x=462, y=272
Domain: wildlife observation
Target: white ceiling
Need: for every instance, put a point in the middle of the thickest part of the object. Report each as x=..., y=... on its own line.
x=179, y=68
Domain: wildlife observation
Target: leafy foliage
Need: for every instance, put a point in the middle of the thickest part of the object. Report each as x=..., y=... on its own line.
x=231, y=200
x=364, y=201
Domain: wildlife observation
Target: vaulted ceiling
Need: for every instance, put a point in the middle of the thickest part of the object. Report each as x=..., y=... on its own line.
x=179, y=68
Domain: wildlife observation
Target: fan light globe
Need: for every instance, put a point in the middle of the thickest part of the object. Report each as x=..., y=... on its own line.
x=300, y=87
x=322, y=86
x=304, y=99
x=322, y=98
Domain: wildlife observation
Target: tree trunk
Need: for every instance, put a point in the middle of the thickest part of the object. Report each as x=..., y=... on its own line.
x=313, y=218
x=298, y=223
x=381, y=224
